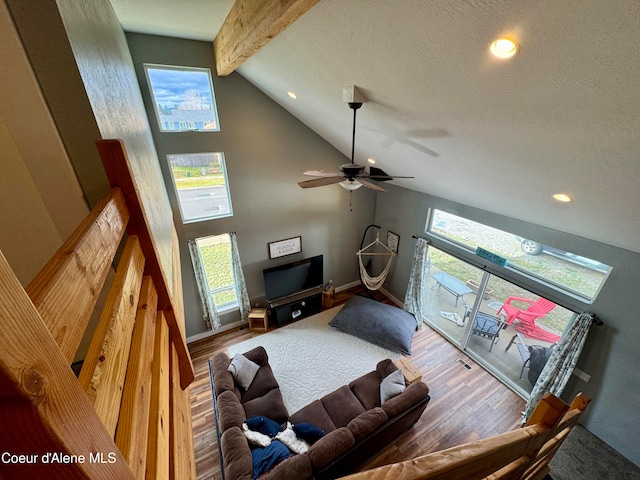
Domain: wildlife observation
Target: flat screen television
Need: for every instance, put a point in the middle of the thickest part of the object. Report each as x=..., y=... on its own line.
x=293, y=277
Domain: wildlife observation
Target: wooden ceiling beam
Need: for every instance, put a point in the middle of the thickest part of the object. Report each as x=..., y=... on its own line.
x=250, y=25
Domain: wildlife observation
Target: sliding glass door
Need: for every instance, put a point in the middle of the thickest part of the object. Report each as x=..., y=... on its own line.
x=527, y=327
x=506, y=328
x=449, y=293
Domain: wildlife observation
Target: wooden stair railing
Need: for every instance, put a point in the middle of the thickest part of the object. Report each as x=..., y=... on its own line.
x=522, y=454
x=127, y=415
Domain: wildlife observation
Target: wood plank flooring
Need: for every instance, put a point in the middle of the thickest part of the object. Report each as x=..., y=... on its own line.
x=465, y=405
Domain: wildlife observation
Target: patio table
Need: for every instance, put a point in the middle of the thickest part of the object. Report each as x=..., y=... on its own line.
x=451, y=285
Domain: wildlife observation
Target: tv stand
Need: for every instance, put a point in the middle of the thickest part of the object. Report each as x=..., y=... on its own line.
x=296, y=306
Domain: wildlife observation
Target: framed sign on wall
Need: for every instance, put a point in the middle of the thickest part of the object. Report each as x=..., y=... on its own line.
x=282, y=248
x=393, y=239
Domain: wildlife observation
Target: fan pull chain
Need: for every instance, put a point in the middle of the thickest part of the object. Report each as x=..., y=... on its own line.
x=351, y=200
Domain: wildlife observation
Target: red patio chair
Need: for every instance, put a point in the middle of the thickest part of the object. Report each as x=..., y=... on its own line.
x=537, y=309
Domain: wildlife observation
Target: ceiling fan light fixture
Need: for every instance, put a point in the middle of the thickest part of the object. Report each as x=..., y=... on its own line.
x=350, y=185
x=504, y=48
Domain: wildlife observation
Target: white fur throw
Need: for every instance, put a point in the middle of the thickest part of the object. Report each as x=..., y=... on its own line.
x=255, y=438
x=291, y=440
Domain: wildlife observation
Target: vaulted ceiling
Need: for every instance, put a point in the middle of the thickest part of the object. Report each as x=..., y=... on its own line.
x=504, y=136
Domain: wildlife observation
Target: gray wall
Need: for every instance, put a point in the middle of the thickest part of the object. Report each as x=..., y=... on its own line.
x=611, y=353
x=266, y=150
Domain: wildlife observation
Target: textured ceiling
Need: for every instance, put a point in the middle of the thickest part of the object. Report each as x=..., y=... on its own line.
x=562, y=116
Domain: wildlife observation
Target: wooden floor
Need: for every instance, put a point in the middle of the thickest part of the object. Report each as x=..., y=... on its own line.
x=466, y=404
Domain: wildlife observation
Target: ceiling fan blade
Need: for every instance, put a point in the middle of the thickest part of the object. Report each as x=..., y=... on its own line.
x=386, y=177
x=370, y=185
x=321, y=173
x=320, y=182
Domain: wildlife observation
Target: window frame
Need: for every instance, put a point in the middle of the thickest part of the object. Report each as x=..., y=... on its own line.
x=227, y=307
x=528, y=279
x=223, y=164
x=214, y=106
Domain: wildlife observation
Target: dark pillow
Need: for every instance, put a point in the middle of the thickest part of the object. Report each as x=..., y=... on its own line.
x=263, y=425
x=264, y=459
x=381, y=324
x=308, y=432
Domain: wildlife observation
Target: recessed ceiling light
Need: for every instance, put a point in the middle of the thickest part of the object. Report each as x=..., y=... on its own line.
x=562, y=197
x=504, y=48
x=371, y=160
x=292, y=94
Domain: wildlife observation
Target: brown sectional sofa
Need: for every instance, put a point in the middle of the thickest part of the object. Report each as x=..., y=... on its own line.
x=357, y=426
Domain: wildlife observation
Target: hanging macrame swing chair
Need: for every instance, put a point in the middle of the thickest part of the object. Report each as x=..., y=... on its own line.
x=374, y=283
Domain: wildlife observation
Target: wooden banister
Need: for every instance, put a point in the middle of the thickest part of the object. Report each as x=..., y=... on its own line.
x=133, y=423
x=134, y=378
x=116, y=165
x=66, y=290
x=104, y=368
x=43, y=409
x=521, y=454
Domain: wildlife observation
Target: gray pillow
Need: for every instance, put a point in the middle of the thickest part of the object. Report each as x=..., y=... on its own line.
x=392, y=385
x=243, y=370
x=384, y=325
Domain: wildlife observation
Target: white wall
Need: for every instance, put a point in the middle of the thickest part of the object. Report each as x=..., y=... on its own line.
x=35, y=217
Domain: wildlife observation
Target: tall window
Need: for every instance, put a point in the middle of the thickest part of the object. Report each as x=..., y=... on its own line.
x=201, y=184
x=215, y=252
x=183, y=98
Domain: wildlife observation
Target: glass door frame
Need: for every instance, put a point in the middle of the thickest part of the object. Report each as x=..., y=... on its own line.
x=487, y=272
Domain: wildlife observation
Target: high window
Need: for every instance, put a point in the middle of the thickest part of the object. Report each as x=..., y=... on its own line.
x=202, y=188
x=565, y=271
x=183, y=98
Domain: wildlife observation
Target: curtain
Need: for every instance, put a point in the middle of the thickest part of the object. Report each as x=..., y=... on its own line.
x=210, y=316
x=413, y=300
x=241, y=286
x=563, y=359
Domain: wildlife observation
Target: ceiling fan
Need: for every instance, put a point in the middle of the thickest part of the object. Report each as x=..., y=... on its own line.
x=351, y=176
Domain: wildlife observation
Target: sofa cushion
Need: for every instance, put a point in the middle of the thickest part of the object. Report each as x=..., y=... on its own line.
x=230, y=411
x=243, y=370
x=258, y=355
x=222, y=378
x=391, y=386
x=293, y=468
x=378, y=323
x=367, y=389
x=342, y=406
x=263, y=382
x=315, y=414
x=237, y=455
x=330, y=446
x=270, y=405
x=367, y=422
x=412, y=395
x=264, y=459
x=385, y=367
